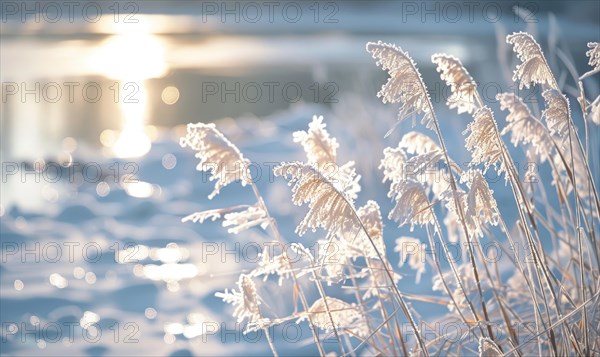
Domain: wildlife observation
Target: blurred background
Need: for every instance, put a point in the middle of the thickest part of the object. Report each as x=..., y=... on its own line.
x=95, y=95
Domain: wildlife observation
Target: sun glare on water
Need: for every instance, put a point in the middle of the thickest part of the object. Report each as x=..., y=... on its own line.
x=131, y=56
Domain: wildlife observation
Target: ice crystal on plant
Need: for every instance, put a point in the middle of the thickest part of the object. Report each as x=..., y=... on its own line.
x=217, y=155
x=412, y=205
x=212, y=214
x=534, y=68
x=272, y=265
x=379, y=281
x=524, y=127
x=370, y=216
x=483, y=142
x=418, y=143
x=405, y=85
x=557, y=113
x=488, y=348
x=328, y=313
x=320, y=148
x=329, y=208
x=392, y=164
x=245, y=300
x=461, y=83
x=242, y=220
x=594, y=54
x=321, y=152
x=481, y=205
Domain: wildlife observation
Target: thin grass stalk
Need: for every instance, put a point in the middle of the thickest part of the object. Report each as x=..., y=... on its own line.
x=558, y=322
x=572, y=123
x=361, y=301
x=586, y=336
x=571, y=175
x=529, y=280
x=377, y=329
x=270, y=342
x=382, y=309
x=581, y=265
x=324, y=297
x=403, y=304
x=384, y=315
x=454, y=270
x=582, y=103
x=381, y=299
x=581, y=100
x=459, y=209
x=513, y=338
x=275, y=230
x=514, y=178
x=443, y=280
